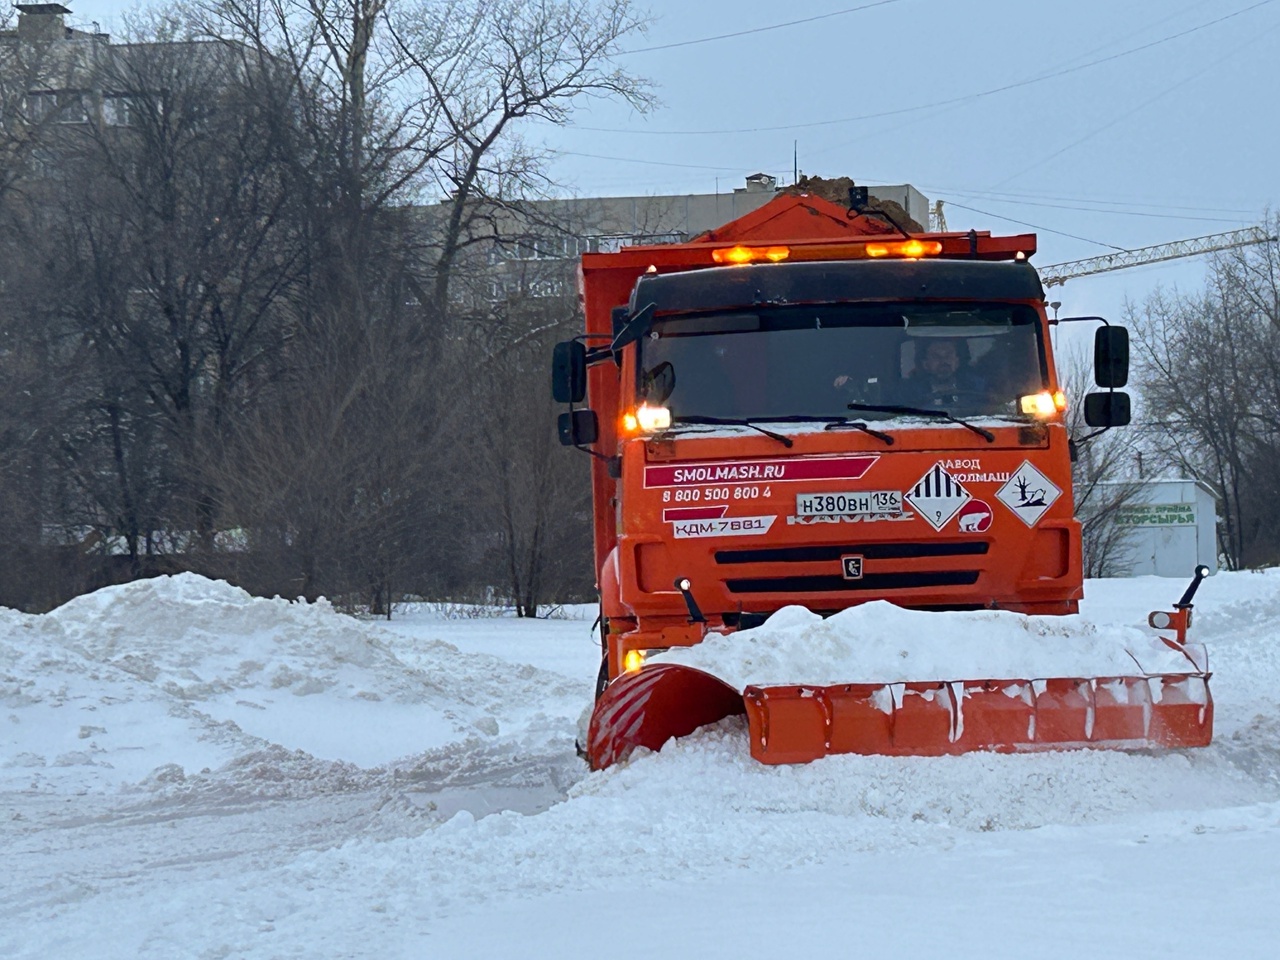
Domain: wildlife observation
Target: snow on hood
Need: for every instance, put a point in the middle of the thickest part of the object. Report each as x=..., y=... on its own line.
x=880, y=642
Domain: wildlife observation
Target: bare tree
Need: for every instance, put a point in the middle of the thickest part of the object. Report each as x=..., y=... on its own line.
x=399, y=103
x=155, y=248
x=1103, y=475
x=529, y=502
x=184, y=221
x=1208, y=365
x=493, y=65
x=250, y=317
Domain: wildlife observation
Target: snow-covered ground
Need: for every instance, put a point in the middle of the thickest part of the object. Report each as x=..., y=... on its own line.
x=189, y=772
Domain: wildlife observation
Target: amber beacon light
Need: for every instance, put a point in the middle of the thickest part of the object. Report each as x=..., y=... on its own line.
x=740, y=254
x=907, y=249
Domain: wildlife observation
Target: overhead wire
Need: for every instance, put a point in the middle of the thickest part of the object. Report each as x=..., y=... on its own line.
x=1118, y=40
x=1110, y=213
x=775, y=26
x=1036, y=226
x=944, y=192
x=649, y=163
x=1232, y=54
x=948, y=107
x=993, y=194
x=948, y=195
x=1016, y=196
x=1040, y=78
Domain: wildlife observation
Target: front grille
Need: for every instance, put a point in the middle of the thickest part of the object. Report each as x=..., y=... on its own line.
x=871, y=551
x=838, y=584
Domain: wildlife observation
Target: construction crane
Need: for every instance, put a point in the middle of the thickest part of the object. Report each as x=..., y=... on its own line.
x=937, y=219
x=1056, y=274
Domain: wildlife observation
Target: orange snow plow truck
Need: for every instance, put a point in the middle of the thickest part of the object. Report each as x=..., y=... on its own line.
x=813, y=405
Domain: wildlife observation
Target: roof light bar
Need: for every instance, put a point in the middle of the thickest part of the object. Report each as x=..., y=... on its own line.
x=897, y=249
x=906, y=249
x=742, y=254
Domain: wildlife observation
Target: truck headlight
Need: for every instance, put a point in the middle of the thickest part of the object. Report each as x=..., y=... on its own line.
x=647, y=419
x=1043, y=404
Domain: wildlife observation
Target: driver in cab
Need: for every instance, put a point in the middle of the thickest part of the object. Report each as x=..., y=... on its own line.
x=942, y=376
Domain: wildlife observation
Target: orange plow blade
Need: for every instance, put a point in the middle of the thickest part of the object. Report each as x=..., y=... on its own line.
x=649, y=707
x=796, y=724
x=801, y=723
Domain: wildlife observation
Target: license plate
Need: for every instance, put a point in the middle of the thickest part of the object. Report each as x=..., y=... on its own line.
x=858, y=502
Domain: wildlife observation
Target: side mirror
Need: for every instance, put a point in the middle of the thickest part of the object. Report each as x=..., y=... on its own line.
x=1109, y=409
x=658, y=383
x=578, y=428
x=569, y=372
x=1111, y=357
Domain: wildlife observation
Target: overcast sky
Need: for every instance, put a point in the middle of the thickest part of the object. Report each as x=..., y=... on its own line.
x=1121, y=124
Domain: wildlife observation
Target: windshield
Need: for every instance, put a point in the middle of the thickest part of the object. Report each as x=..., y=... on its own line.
x=968, y=360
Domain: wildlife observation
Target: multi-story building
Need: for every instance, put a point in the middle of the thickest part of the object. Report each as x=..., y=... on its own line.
x=50, y=68
x=62, y=76
x=57, y=76
x=538, y=241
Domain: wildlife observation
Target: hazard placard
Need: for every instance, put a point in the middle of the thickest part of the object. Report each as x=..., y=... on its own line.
x=1029, y=493
x=937, y=496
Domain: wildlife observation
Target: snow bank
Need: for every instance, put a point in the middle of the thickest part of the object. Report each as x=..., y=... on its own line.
x=277, y=850
x=879, y=642
x=159, y=677
x=1237, y=617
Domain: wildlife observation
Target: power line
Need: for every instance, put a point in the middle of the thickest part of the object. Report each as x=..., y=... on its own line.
x=650, y=163
x=776, y=26
x=1117, y=41
x=1040, y=200
x=1012, y=196
x=1232, y=54
x=1033, y=226
x=1109, y=213
x=937, y=103
x=1076, y=60
x=1022, y=199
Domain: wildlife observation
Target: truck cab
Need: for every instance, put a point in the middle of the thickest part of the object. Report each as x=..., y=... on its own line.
x=822, y=420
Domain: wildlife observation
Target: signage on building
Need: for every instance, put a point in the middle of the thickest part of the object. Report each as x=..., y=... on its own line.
x=1157, y=515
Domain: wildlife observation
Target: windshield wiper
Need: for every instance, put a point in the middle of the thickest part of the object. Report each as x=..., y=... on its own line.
x=923, y=412
x=731, y=422
x=832, y=423
x=839, y=423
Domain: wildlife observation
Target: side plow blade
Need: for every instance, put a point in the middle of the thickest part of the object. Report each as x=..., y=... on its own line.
x=649, y=707
x=796, y=724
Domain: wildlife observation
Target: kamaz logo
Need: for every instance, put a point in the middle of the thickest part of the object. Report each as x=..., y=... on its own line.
x=851, y=567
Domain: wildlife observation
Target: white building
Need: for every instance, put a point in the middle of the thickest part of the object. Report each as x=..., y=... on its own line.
x=1170, y=529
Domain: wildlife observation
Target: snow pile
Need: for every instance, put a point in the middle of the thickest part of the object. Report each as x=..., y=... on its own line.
x=487, y=837
x=880, y=643
x=702, y=812
x=146, y=680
